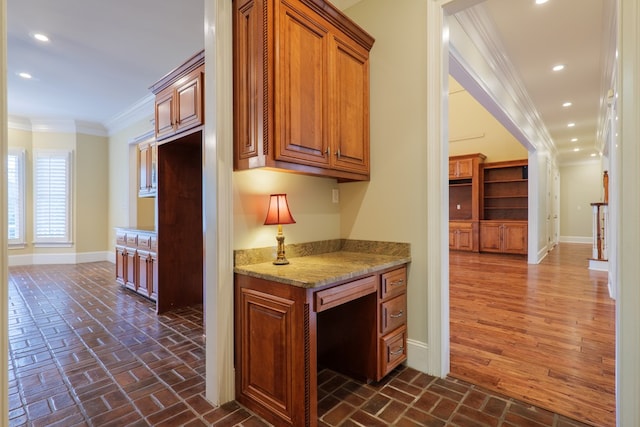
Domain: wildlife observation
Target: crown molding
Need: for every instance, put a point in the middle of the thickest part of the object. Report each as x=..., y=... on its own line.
x=56, y=126
x=142, y=109
x=477, y=52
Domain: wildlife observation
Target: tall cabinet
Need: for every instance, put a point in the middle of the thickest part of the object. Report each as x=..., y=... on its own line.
x=464, y=201
x=504, y=207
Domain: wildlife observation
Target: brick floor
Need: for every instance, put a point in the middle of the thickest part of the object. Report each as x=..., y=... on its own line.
x=86, y=352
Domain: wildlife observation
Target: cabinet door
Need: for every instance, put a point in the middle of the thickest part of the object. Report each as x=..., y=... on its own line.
x=143, y=168
x=490, y=237
x=189, y=102
x=452, y=238
x=164, y=113
x=153, y=275
x=465, y=168
x=349, y=83
x=121, y=264
x=465, y=239
x=143, y=283
x=301, y=100
x=131, y=278
x=153, y=169
x=514, y=238
x=453, y=169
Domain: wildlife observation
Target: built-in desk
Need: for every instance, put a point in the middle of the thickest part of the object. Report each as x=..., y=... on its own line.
x=345, y=310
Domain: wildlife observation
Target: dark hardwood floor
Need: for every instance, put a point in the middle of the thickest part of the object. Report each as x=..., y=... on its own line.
x=544, y=334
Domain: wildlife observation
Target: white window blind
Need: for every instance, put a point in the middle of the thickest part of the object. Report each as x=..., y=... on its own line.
x=52, y=197
x=15, y=190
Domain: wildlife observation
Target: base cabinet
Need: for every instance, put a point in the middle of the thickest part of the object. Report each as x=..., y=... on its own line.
x=504, y=237
x=463, y=236
x=137, y=261
x=283, y=332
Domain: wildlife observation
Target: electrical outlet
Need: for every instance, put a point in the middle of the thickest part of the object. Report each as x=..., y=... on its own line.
x=335, y=195
x=458, y=207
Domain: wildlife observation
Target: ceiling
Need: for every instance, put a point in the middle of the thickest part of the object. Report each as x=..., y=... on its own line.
x=102, y=58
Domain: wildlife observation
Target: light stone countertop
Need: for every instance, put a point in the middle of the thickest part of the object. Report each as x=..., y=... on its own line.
x=322, y=269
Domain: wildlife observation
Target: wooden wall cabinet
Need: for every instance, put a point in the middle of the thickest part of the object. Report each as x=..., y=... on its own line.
x=147, y=169
x=356, y=327
x=504, y=237
x=461, y=167
x=179, y=104
x=301, y=89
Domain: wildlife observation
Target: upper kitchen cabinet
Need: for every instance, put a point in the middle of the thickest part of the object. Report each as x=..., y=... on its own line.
x=301, y=89
x=179, y=105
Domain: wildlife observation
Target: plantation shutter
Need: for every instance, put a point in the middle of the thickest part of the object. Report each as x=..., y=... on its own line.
x=52, y=197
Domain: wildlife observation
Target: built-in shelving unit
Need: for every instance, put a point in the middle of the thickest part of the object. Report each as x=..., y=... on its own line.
x=464, y=201
x=505, y=191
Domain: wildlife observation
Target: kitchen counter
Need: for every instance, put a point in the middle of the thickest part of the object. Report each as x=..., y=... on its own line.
x=318, y=270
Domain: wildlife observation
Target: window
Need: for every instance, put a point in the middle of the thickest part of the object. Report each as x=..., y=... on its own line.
x=52, y=198
x=15, y=187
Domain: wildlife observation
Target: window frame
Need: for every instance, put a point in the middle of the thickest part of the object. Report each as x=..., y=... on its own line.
x=20, y=241
x=55, y=240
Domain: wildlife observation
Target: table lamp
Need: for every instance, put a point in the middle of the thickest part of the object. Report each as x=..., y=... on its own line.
x=279, y=214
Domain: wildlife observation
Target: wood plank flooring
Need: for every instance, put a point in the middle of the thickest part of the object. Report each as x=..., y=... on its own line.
x=544, y=334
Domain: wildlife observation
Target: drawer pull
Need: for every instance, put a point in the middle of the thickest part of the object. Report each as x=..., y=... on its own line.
x=397, y=315
x=397, y=283
x=397, y=352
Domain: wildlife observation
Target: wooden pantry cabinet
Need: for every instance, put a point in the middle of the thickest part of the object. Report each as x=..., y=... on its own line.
x=301, y=89
x=179, y=103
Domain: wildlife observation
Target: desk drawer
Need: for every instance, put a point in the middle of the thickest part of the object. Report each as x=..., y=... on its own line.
x=132, y=240
x=393, y=348
x=144, y=241
x=394, y=283
x=121, y=238
x=344, y=293
x=393, y=313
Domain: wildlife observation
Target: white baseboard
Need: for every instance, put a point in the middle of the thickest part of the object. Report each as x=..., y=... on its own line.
x=65, y=258
x=576, y=239
x=598, y=265
x=418, y=355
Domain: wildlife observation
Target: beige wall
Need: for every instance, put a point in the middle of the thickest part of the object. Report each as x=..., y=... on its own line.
x=123, y=195
x=472, y=129
x=92, y=187
x=89, y=190
x=317, y=218
x=580, y=185
x=392, y=206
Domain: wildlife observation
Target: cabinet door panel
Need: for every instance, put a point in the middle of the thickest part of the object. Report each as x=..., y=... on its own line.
x=301, y=106
x=514, y=238
x=350, y=91
x=465, y=168
x=189, y=98
x=465, y=240
x=164, y=113
x=267, y=325
x=490, y=237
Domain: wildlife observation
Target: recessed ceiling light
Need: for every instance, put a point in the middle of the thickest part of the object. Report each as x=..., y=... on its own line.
x=567, y=104
x=593, y=154
x=41, y=37
x=558, y=67
x=576, y=149
x=574, y=139
x=541, y=1
x=25, y=75
x=571, y=125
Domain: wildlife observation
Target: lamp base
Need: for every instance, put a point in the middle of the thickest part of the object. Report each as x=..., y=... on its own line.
x=280, y=258
x=282, y=261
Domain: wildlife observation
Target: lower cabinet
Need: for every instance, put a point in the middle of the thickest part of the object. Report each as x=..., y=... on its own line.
x=463, y=236
x=137, y=261
x=284, y=332
x=509, y=237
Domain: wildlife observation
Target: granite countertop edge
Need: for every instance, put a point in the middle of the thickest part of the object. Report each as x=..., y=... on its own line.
x=315, y=271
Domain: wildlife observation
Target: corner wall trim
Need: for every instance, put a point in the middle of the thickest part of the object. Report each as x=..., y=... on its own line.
x=418, y=355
